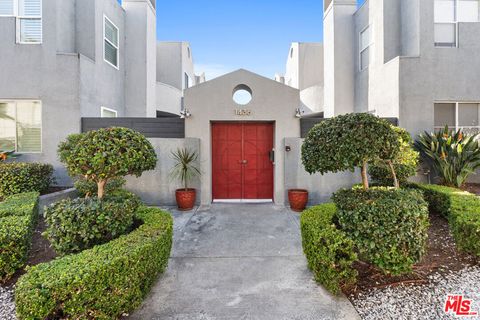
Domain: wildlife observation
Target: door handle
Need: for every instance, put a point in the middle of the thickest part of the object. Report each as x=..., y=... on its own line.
x=242, y=161
x=271, y=155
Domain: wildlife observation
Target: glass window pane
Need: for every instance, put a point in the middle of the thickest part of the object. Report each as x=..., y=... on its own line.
x=468, y=11
x=444, y=10
x=111, y=53
x=29, y=127
x=365, y=39
x=445, y=34
x=7, y=126
x=108, y=113
x=111, y=33
x=6, y=7
x=31, y=30
x=364, y=58
x=30, y=8
x=444, y=114
x=468, y=114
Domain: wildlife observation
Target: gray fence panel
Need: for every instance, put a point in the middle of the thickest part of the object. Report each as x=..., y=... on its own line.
x=150, y=127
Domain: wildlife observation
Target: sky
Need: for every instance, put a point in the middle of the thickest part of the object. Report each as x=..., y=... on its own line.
x=227, y=35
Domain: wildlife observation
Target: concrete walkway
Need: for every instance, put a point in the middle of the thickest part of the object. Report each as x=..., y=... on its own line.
x=240, y=262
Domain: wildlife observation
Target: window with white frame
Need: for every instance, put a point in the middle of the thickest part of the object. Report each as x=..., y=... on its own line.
x=186, y=81
x=110, y=42
x=108, y=113
x=448, y=13
x=28, y=14
x=21, y=126
x=457, y=115
x=364, y=44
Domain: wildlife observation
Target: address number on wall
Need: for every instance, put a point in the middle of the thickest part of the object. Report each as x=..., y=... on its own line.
x=243, y=112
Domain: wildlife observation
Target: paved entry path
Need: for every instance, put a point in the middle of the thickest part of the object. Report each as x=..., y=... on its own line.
x=240, y=262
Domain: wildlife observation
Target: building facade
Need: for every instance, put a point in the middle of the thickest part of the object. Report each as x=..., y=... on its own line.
x=65, y=60
x=414, y=60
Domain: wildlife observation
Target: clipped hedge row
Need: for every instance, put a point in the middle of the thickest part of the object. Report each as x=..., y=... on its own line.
x=17, y=219
x=20, y=177
x=102, y=282
x=330, y=253
x=461, y=208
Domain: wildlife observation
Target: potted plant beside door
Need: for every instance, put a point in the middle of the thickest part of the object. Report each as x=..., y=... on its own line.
x=183, y=171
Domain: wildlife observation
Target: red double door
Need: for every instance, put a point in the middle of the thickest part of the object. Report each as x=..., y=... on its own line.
x=242, y=162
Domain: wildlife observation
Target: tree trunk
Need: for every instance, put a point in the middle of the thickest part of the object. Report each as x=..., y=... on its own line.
x=101, y=188
x=396, y=184
x=364, y=176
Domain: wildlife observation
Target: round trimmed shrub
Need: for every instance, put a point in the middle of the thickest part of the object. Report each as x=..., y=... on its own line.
x=88, y=188
x=21, y=177
x=105, y=154
x=405, y=163
x=347, y=142
x=389, y=226
x=79, y=224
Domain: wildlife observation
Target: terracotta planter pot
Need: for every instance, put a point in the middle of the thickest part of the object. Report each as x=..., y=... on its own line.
x=298, y=199
x=185, y=199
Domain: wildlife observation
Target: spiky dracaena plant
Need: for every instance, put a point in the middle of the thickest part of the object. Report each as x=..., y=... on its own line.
x=453, y=155
x=185, y=168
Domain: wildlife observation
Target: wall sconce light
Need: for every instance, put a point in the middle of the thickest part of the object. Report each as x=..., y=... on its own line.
x=298, y=113
x=184, y=114
x=288, y=148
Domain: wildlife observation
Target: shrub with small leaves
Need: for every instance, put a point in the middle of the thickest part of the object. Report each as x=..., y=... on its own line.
x=330, y=253
x=103, y=282
x=388, y=226
x=21, y=177
x=79, y=224
x=18, y=215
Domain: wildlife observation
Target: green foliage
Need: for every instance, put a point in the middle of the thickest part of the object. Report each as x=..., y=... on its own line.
x=389, y=226
x=405, y=163
x=105, y=154
x=99, y=283
x=330, y=253
x=87, y=188
x=462, y=210
x=20, y=177
x=452, y=155
x=79, y=224
x=184, y=169
x=17, y=219
x=349, y=141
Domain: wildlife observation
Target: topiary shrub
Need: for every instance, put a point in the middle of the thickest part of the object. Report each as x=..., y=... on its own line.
x=103, y=282
x=104, y=154
x=20, y=177
x=388, y=226
x=405, y=163
x=330, y=253
x=87, y=188
x=79, y=224
x=17, y=219
x=349, y=141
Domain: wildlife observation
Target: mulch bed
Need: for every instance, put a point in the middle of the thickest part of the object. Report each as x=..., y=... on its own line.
x=442, y=256
x=472, y=188
x=39, y=252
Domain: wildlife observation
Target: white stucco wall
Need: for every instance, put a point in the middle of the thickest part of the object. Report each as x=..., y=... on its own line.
x=212, y=101
x=169, y=99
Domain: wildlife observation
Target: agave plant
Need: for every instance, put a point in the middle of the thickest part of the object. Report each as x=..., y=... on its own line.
x=453, y=155
x=184, y=169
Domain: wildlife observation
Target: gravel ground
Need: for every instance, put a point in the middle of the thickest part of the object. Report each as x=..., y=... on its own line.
x=423, y=301
x=7, y=306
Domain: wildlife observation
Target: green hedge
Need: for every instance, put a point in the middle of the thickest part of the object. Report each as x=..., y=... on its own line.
x=102, y=282
x=330, y=253
x=79, y=224
x=389, y=226
x=21, y=177
x=17, y=219
x=462, y=209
